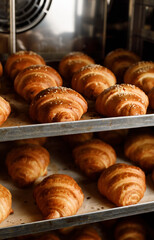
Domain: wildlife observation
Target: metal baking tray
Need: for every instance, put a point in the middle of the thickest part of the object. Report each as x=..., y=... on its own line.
x=20, y=126
x=27, y=219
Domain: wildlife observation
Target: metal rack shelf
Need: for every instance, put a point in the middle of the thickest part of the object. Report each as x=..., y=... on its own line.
x=82, y=126
x=48, y=225
x=20, y=126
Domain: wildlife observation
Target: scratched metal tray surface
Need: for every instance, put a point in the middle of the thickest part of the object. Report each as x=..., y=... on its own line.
x=27, y=218
x=20, y=126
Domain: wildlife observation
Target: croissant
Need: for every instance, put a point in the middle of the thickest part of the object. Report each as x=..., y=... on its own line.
x=1, y=69
x=38, y=141
x=66, y=230
x=26, y=163
x=122, y=100
x=57, y=104
x=152, y=175
x=122, y=184
x=141, y=74
x=113, y=137
x=58, y=195
x=72, y=62
x=18, y=61
x=77, y=139
x=139, y=148
x=130, y=228
x=92, y=79
x=48, y=236
x=5, y=110
x=5, y=203
x=30, y=81
x=151, y=98
x=119, y=60
x=87, y=233
x=93, y=156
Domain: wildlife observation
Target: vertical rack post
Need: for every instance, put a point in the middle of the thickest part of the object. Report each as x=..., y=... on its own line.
x=12, y=39
x=104, y=29
x=131, y=21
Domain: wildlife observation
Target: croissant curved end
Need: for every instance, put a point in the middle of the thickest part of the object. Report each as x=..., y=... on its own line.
x=53, y=214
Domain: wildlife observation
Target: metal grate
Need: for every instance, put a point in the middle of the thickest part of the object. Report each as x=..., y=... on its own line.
x=28, y=14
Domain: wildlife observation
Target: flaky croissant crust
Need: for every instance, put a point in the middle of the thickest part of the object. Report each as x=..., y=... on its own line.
x=72, y=62
x=48, y=236
x=58, y=195
x=25, y=163
x=130, y=228
x=139, y=148
x=87, y=233
x=141, y=74
x=122, y=184
x=5, y=110
x=93, y=156
x=77, y=139
x=119, y=60
x=122, y=100
x=57, y=104
x=118, y=53
x=5, y=203
x=30, y=81
x=20, y=60
x=151, y=98
x=1, y=69
x=92, y=79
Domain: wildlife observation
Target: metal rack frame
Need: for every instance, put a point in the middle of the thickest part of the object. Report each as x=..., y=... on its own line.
x=57, y=129
x=66, y=128
x=48, y=225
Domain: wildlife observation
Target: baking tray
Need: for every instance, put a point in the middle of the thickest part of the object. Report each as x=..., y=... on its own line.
x=20, y=126
x=27, y=219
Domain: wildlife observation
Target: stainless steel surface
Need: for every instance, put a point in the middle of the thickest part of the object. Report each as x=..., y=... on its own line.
x=130, y=20
x=12, y=27
x=141, y=26
x=60, y=27
x=91, y=125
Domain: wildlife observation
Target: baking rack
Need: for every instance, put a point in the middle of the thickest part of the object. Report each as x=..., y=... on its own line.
x=19, y=126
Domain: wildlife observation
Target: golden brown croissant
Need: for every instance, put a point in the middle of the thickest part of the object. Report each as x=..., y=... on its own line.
x=122, y=184
x=87, y=233
x=91, y=80
x=18, y=61
x=119, y=60
x=130, y=228
x=139, y=148
x=152, y=175
x=5, y=110
x=38, y=141
x=77, y=139
x=66, y=230
x=5, y=203
x=122, y=100
x=72, y=62
x=93, y=156
x=26, y=163
x=58, y=195
x=1, y=69
x=30, y=81
x=57, y=104
x=151, y=98
x=48, y=236
x=141, y=74
x=113, y=137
